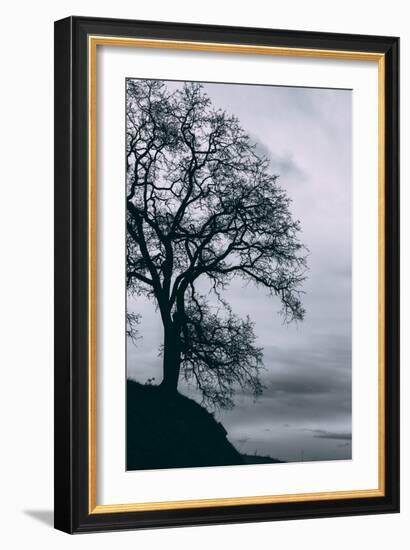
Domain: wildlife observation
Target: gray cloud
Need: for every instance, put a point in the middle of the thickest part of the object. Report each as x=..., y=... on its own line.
x=282, y=165
x=323, y=434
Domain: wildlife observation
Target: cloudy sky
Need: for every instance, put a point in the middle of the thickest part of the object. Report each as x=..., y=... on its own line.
x=305, y=410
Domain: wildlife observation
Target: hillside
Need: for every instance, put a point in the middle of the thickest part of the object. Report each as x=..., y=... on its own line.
x=257, y=459
x=173, y=432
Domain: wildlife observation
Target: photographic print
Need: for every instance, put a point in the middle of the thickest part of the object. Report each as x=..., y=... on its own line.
x=239, y=256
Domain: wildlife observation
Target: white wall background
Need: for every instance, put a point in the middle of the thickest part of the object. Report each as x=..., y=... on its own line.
x=26, y=294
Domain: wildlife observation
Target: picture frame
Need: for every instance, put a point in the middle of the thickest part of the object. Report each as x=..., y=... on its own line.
x=77, y=409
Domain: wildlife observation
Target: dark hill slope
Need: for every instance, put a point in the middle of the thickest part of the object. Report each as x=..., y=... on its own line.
x=173, y=432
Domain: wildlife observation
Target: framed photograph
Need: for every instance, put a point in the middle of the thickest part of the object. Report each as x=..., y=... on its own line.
x=226, y=274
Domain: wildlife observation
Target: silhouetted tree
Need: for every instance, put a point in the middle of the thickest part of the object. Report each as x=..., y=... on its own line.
x=201, y=203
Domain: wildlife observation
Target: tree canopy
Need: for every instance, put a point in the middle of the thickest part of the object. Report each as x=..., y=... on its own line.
x=203, y=204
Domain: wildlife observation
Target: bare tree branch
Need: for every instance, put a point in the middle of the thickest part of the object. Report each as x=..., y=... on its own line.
x=202, y=203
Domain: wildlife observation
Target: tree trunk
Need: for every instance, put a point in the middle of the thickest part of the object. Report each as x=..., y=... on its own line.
x=172, y=359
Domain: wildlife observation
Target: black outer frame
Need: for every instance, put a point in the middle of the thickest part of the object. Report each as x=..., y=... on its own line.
x=71, y=275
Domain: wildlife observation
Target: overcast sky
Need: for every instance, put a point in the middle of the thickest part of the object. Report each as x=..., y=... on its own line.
x=305, y=410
